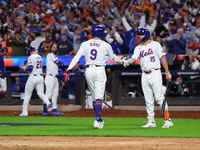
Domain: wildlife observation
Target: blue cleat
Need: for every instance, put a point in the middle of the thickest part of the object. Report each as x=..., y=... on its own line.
x=56, y=113
x=45, y=114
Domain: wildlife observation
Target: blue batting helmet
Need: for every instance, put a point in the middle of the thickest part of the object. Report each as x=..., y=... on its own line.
x=30, y=49
x=144, y=31
x=98, y=31
x=5, y=49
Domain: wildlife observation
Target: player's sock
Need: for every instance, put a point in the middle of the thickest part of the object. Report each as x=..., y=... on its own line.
x=98, y=108
x=45, y=107
x=166, y=115
x=2, y=94
x=93, y=104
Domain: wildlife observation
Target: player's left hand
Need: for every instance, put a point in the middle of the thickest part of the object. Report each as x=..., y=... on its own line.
x=168, y=76
x=66, y=76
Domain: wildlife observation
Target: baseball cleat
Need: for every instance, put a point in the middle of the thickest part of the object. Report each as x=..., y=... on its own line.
x=49, y=108
x=98, y=125
x=168, y=124
x=56, y=113
x=23, y=115
x=150, y=125
x=45, y=114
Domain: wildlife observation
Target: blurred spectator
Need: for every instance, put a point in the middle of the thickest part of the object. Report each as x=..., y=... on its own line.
x=115, y=40
x=191, y=63
x=178, y=87
x=71, y=89
x=18, y=44
x=15, y=85
x=38, y=39
x=5, y=38
x=159, y=40
x=133, y=42
x=3, y=83
x=177, y=44
x=192, y=40
x=65, y=47
x=44, y=47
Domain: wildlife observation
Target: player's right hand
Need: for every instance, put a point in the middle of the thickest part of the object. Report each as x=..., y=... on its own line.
x=125, y=62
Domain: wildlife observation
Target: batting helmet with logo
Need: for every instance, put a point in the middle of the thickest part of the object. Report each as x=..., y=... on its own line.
x=30, y=49
x=144, y=31
x=98, y=31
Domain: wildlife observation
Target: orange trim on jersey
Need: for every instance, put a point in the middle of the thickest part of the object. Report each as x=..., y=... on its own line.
x=163, y=56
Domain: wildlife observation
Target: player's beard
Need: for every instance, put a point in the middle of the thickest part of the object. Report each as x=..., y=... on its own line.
x=55, y=52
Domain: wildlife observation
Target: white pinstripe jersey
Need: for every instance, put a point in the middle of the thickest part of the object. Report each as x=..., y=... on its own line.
x=51, y=66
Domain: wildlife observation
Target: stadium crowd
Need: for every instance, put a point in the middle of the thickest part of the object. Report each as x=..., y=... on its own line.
x=39, y=23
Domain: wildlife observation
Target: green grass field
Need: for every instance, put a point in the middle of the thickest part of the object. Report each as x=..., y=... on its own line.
x=83, y=126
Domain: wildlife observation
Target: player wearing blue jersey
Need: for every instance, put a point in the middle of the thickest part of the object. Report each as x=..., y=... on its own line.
x=3, y=84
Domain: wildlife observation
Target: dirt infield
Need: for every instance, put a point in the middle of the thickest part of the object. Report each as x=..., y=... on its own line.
x=99, y=143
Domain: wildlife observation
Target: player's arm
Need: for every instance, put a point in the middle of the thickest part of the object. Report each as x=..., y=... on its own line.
x=165, y=66
x=74, y=61
x=58, y=62
x=29, y=68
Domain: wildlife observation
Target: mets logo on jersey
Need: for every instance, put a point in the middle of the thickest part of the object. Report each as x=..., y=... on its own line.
x=144, y=53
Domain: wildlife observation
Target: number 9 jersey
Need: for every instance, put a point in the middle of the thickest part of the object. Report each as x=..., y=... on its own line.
x=35, y=60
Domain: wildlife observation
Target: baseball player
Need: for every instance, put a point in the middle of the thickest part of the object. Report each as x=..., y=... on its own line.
x=3, y=84
x=95, y=52
x=35, y=80
x=22, y=81
x=149, y=54
x=51, y=81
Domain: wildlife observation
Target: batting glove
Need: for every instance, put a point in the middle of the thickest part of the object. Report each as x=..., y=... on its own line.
x=168, y=76
x=125, y=62
x=66, y=76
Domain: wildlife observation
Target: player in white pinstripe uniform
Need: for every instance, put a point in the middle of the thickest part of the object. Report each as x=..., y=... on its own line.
x=35, y=80
x=51, y=81
x=149, y=54
x=95, y=52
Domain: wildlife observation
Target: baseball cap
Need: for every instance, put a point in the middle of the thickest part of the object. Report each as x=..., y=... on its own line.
x=110, y=18
x=62, y=19
x=43, y=3
x=18, y=32
x=49, y=11
x=64, y=33
x=5, y=49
